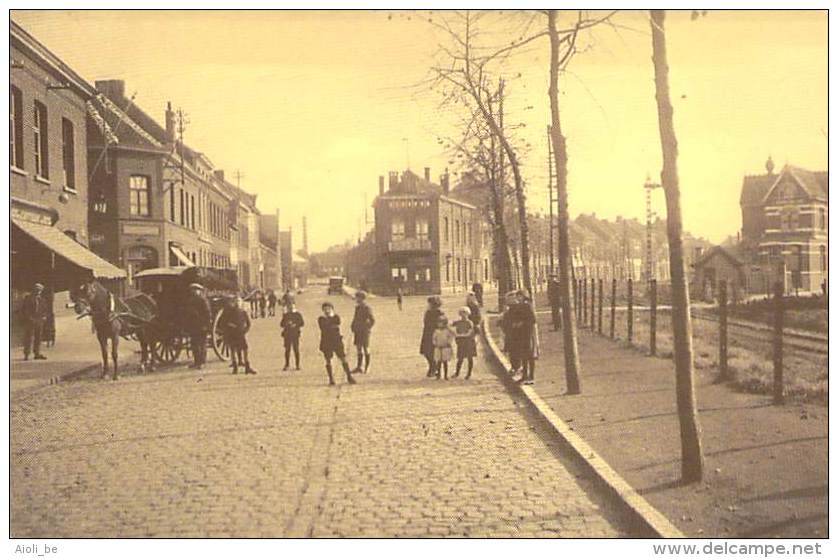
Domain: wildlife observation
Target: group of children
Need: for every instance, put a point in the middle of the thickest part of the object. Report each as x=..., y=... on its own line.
x=439, y=338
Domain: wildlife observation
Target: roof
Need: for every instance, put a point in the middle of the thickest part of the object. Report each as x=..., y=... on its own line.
x=20, y=36
x=756, y=188
x=175, y=271
x=733, y=253
x=58, y=242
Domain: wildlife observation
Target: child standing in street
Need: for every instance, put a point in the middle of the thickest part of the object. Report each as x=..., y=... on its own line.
x=235, y=323
x=466, y=345
x=443, y=340
x=331, y=342
x=291, y=324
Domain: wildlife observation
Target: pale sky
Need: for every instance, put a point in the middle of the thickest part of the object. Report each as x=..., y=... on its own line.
x=313, y=106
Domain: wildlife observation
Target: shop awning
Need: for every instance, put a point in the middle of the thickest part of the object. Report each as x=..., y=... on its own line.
x=64, y=246
x=181, y=257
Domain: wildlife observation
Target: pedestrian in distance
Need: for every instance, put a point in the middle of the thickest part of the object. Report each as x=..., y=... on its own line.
x=235, y=324
x=271, y=303
x=362, y=322
x=510, y=299
x=287, y=299
x=291, y=324
x=252, y=298
x=34, y=311
x=263, y=304
x=197, y=319
x=430, y=320
x=331, y=342
x=443, y=340
x=474, y=311
x=399, y=298
x=477, y=289
x=522, y=343
x=464, y=331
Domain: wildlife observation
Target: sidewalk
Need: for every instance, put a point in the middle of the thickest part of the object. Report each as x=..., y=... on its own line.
x=765, y=466
x=76, y=352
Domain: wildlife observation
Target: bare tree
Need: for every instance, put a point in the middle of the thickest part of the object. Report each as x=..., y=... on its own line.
x=467, y=70
x=692, y=459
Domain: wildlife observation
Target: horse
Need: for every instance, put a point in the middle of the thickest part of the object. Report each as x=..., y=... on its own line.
x=114, y=317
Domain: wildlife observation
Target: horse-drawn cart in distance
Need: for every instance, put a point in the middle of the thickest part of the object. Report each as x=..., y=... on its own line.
x=169, y=287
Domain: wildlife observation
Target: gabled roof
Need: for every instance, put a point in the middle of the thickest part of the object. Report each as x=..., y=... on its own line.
x=735, y=254
x=756, y=189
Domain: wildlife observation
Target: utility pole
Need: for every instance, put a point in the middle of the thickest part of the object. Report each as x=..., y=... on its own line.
x=650, y=267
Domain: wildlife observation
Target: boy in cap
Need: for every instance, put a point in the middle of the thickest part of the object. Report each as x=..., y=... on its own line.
x=197, y=319
x=466, y=346
x=331, y=341
x=235, y=323
x=291, y=324
x=361, y=326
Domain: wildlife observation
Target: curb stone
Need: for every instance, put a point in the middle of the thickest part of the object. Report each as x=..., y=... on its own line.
x=643, y=513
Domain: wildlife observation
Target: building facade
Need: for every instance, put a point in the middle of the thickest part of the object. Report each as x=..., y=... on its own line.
x=48, y=186
x=154, y=200
x=425, y=240
x=785, y=229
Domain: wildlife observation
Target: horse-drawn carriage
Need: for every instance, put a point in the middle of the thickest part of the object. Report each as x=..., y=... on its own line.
x=169, y=287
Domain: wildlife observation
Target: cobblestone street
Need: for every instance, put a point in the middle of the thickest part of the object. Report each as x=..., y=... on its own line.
x=183, y=453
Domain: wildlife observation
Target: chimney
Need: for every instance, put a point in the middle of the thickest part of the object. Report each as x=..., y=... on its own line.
x=305, y=236
x=394, y=179
x=444, y=181
x=427, y=174
x=381, y=185
x=219, y=174
x=111, y=88
x=170, y=123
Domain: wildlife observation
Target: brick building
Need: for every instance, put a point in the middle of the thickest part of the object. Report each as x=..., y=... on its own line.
x=154, y=200
x=271, y=276
x=48, y=186
x=425, y=241
x=785, y=228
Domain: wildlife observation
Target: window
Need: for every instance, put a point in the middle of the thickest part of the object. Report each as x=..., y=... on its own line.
x=68, y=154
x=456, y=232
x=448, y=270
x=822, y=213
x=15, y=127
x=182, y=211
x=423, y=275
x=172, y=203
x=422, y=229
x=486, y=270
x=446, y=230
x=399, y=273
x=823, y=258
x=40, y=135
x=788, y=220
x=138, y=196
x=192, y=211
x=397, y=230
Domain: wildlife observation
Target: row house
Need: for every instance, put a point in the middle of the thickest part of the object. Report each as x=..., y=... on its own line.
x=48, y=184
x=154, y=201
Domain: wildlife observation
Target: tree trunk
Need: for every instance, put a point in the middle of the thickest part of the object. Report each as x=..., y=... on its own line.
x=501, y=237
x=692, y=460
x=571, y=350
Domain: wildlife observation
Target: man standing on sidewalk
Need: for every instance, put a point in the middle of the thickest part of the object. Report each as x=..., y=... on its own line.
x=34, y=314
x=197, y=319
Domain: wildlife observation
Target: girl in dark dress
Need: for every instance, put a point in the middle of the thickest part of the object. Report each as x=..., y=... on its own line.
x=331, y=342
x=426, y=346
x=464, y=330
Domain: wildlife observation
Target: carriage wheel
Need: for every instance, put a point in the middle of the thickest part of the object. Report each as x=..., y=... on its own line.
x=167, y=350
x=219, y=344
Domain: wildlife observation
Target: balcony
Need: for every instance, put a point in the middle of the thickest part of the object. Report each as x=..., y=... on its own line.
x=410, y=245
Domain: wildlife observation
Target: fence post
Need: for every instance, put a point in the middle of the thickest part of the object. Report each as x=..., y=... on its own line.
x=599, y=317
x=613, y=304
x=723, y=369
x=576, y=308
x=653, y=316
x=630, y=318
x=584, y=302
x=779, y=396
